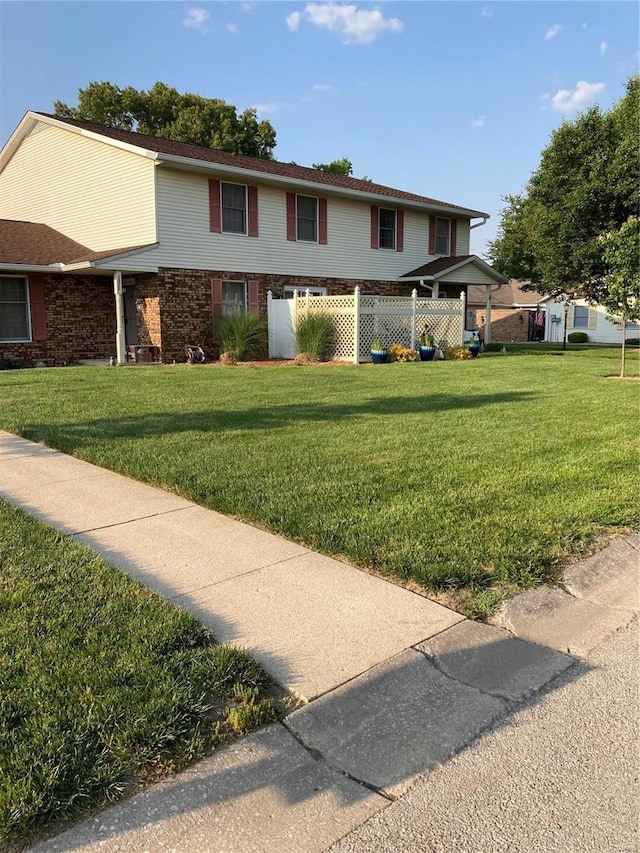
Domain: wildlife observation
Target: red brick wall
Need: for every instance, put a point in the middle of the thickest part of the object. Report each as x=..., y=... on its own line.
x=80, y=322
x=186, y=310
x=507, y=324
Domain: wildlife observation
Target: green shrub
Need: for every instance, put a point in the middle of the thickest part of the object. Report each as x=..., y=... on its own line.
x=10, y=363
x=315, y=334
x=633, y=342
x=578, y=337
x=242, y=334
x=493, y=347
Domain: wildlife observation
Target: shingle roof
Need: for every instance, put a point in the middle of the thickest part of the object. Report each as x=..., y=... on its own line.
x=34, y=244
x=241, y=161
x=437, y=266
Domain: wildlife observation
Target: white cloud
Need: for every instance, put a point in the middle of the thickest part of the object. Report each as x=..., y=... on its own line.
x=293, y=21
x=478, y=122
x=552, y=32
x=233, y=29
x=569, y=101
x=487, y=11
x=321, y=87
x=603, y=48
x=248, y=8
x=268, y=109
x=354, y=25
x=197, y=19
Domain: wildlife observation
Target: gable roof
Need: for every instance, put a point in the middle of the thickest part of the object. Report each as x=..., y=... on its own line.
x=35, y=244
x=443, y=266
x=167, y=150
x=510, y=295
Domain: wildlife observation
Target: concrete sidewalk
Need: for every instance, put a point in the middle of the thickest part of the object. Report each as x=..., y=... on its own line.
x=396, y=684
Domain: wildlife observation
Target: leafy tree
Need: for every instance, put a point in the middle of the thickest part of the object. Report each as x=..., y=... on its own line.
x=586, y=185
x=163, y=111
x=338, y=167
x=621, y=251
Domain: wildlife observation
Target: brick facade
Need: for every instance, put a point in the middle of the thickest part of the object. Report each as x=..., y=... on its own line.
x=80, y=322
x=508, y=325
x=173, y=309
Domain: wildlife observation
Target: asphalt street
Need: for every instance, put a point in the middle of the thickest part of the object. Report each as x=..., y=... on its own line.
x=561, y=774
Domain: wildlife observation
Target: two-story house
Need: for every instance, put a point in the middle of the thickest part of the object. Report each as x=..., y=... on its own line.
x=112, y=239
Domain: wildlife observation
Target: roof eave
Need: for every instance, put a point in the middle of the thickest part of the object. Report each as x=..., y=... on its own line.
x=31, y=267
x=330, y=189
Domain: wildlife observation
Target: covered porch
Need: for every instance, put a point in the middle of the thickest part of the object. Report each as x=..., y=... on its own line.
x=449, y=278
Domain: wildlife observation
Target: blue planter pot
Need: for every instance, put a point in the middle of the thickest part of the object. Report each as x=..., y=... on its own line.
x=379, y=356
x=426, y=353
x=474, y=350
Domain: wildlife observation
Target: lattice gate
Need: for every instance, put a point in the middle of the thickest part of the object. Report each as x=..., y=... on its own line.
x=359, y=319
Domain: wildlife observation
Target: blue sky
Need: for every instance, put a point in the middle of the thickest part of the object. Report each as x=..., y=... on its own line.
x=453, y=100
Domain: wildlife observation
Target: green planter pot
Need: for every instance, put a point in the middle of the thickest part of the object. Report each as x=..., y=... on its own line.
x=474, y=349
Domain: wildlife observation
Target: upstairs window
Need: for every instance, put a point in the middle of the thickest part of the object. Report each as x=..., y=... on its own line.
x=234, y=208
x=307, y=218
x=387, y=229
x=14, y=309
x=581, y=317
x=443, y=236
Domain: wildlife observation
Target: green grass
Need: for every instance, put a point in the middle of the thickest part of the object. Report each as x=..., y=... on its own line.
x=468, y=478
x=104, y=684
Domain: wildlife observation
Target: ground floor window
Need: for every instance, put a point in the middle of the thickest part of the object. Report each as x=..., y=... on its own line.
x=234, y=298
x=581, y=317
x=14, y=309
x=291, y=290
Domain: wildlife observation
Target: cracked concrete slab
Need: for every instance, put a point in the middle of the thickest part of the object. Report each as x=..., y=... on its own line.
x=552, y=617
x=493, y=660
x=395, y=723
x=610, y=577
x=264, y=793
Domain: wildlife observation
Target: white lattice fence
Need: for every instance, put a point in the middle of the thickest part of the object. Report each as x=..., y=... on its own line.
x=359, y=319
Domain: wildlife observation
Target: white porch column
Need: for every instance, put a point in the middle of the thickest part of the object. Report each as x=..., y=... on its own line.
x=121, y=350
x=487, y=327
x=435, y=293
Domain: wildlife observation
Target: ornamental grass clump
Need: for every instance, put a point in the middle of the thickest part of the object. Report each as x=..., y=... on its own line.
x=241, y=334
x=398, y=352
x=314, y=334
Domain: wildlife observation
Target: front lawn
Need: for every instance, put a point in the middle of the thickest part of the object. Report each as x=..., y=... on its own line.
x=467, y=478
x=103, y=684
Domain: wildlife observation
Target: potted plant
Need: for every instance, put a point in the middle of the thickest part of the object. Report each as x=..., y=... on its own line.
x=474, y=344
x=379, y=351
x=427, y=347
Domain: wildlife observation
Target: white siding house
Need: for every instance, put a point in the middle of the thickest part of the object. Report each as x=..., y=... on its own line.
x=600, y=326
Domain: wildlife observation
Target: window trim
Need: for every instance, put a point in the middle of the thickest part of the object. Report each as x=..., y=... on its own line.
x=395, y=229
x=446, y=254
x=223, y=230
x=27, y=291
x=587, y=317
x=300, y=239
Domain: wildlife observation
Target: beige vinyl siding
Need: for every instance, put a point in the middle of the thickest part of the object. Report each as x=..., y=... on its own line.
x=463, y=238
x=185, y=239
x=467, y=275
x=100, y=196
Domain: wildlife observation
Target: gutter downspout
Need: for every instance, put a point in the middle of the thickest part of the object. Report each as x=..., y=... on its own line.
x=121, y=351
x=479, y=224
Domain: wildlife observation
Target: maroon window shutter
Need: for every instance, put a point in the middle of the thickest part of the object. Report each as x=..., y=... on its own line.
x=215, y=218
x=432, y=235
x=253, y=304
x=252, y=204
x=291, y=216
x=36, y=300
x=216, y=297
x=400, y=231
x=322, y=221
x=453, y=238
x=375, y=230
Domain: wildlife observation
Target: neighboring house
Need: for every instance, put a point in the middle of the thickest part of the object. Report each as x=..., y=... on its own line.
x=112, y=239
x=517, y=315
x=594, y=320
